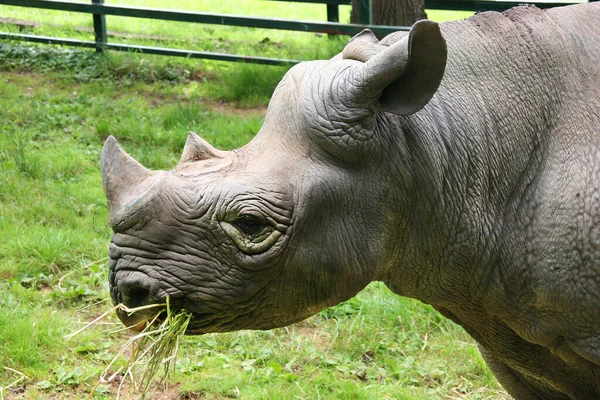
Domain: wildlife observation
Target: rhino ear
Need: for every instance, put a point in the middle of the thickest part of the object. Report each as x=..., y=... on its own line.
x=404, y=76
x=365, y=37
x=427, y=56
x=362, y=47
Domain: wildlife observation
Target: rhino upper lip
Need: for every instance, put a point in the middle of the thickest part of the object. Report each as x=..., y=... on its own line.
x=199, y=320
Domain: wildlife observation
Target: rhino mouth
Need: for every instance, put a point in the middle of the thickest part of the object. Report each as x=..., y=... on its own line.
x=143, y=303
x=140, y=320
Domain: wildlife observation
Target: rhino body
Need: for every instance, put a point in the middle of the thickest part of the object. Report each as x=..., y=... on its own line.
x=458, y=163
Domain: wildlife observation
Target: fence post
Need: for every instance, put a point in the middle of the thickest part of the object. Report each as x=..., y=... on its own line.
x=366, y=12
x=333, y=14
x=99, y=28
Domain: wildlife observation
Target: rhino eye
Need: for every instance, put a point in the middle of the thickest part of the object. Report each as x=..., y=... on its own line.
x=250, y=225
x=251, y=234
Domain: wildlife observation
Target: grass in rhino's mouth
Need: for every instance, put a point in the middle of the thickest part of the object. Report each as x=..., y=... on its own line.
x=152, y=349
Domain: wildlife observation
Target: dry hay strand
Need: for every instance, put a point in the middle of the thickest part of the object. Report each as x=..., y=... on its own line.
x=152, y=350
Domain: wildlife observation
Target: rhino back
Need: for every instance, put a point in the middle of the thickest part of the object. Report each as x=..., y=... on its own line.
x=580, y=26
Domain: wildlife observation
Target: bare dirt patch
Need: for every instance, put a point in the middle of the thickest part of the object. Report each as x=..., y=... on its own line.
x=231, y=109
x=315, y=336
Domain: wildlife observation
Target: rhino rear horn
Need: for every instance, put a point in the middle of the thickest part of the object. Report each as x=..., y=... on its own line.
x=197, y=149
x=120, y=171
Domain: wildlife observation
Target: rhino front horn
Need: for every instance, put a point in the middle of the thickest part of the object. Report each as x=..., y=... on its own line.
x=197, y=149
x=120, y=171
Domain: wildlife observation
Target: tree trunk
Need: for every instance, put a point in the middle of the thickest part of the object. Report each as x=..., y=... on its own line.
x=392, y=12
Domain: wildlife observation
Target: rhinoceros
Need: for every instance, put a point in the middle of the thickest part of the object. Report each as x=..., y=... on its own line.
x=458, y=163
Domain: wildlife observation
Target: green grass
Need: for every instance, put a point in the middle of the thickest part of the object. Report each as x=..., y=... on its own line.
x=57, y=106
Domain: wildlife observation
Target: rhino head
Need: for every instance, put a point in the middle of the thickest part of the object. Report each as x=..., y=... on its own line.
x=301, y=218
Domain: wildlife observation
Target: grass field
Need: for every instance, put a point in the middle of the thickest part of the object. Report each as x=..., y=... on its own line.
x=57, y=106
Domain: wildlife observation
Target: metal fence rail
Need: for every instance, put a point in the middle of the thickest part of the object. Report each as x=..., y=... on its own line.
x=474, y=5
x=99, y=10
x=162, y=51
x=449, y=5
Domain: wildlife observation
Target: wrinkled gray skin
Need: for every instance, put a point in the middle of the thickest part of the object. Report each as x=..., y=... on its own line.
x=480, y=197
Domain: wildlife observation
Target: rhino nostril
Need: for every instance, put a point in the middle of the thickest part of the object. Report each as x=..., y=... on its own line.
x=136, y=297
